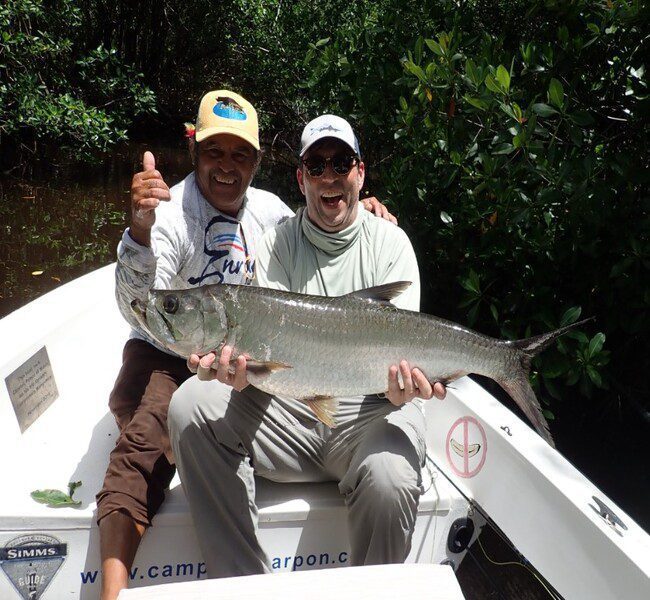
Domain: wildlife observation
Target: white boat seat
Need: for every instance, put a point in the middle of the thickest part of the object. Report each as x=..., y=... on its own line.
x=385, y=582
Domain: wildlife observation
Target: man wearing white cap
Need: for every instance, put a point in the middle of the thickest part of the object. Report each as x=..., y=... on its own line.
x=204, y=230
x=225, y=431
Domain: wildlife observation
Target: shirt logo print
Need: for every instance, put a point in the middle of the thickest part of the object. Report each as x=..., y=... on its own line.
x=228, y=240
x=221, y=246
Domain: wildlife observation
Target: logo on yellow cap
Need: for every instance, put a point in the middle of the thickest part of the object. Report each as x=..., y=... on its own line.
x=228, y=109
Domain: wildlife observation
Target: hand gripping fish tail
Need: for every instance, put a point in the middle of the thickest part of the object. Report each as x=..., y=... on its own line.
x=516, y=382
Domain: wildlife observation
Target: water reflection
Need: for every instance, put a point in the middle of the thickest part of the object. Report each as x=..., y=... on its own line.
x=61, y=220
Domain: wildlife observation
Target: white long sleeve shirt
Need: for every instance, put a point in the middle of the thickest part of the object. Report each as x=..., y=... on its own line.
x=194, y=244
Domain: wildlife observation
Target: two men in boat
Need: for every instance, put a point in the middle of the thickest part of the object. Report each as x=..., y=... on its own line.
x=226, y=431
x=204, y=230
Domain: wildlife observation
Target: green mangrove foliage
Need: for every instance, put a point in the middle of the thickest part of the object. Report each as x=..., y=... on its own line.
x=512, y=139
x=55, y=88
x=509, y=135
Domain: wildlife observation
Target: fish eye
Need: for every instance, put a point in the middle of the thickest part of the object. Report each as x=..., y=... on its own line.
x=170, y=304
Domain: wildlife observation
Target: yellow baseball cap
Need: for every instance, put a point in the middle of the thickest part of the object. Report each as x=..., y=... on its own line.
x=223, y=111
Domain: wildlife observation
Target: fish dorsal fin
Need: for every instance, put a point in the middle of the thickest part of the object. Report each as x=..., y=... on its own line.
x=380, y=293
x=324, y=407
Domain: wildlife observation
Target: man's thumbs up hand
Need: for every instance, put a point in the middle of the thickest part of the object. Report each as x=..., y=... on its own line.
x=148, y=161
x=148, y=188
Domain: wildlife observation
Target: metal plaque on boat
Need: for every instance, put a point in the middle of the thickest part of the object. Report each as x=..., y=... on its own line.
x=31, y=562
x=32, y=388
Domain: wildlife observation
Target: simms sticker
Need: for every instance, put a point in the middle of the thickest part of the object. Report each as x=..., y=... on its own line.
x=31, y=562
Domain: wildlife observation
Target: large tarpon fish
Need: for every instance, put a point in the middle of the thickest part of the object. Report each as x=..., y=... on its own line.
x=316, y=348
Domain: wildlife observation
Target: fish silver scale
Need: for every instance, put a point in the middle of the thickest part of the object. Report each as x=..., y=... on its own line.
x=344, y=346
x=318, y=346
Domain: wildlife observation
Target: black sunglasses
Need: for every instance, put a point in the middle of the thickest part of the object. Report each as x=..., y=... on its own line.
x=341, y=163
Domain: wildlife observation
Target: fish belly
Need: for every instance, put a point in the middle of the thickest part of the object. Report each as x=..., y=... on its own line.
x=338, y=348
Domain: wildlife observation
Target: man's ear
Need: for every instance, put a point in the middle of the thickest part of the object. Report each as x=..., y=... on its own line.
x=301, y=182
x=362, y=174
x=191, y=146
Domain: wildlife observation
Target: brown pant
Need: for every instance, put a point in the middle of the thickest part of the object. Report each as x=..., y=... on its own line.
x=141, y=465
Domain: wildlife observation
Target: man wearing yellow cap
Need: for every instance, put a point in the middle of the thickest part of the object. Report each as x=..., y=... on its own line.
x=204, y=230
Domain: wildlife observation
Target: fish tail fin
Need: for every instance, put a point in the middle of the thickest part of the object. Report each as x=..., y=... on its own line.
x=518, y=385
x=324, y=407
x=520, y=391
x=534, y=345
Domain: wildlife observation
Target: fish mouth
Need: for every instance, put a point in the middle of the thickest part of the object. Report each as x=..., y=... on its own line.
x=171, y=330
x=139, y=310
x=142, y=316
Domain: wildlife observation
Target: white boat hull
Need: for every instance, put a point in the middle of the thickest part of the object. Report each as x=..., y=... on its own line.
x=528, y=489
x=301, y=526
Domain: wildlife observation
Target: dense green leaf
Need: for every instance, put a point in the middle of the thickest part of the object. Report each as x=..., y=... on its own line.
x=548, y=414
x=594, y=375
x=556, y=93
x=416, y=70
x=544, y=110
x=570, y=316
x=472, y=73
x=596, y=344
x=435, y=47
x=504, y=148
x=503, y=77
x=54, y=498
x=581, y=118
x=477, y=102
x=492, y=84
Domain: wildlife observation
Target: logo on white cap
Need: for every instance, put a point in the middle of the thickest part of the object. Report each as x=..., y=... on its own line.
x=325, y=128
x=328, y=126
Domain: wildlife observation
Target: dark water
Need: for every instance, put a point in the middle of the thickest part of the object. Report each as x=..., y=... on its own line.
x=58, y=222
x=61, y=221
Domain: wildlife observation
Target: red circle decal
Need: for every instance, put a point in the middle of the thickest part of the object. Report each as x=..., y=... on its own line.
x=466, y=447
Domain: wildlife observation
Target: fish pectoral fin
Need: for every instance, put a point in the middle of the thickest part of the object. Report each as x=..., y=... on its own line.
x=263, y=369
x=381, y=293
x=324, y=407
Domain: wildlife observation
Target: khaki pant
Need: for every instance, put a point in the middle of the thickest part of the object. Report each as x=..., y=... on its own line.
x=141, y=465
x=221, y=438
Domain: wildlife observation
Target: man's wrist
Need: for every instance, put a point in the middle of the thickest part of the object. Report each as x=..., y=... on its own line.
x=140, y=235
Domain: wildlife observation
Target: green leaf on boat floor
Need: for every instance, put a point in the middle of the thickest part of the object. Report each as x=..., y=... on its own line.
x=57, y=498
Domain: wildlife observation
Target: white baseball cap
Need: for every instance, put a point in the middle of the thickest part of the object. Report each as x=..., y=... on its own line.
x=328, y=126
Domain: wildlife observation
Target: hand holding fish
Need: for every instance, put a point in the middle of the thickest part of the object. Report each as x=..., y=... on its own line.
x=148, y=188
x=232, y=374
x=415, y=383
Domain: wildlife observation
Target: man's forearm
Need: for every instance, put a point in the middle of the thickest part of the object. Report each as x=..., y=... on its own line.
x=135, y=275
